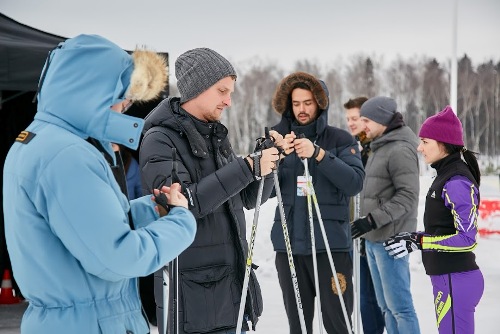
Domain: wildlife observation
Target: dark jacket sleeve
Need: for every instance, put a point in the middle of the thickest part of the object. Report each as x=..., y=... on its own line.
x=344, y=169
x=211, y=191
x=249, y=194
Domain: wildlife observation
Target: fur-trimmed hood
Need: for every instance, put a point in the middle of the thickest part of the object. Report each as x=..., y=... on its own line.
x=282, y=101
x=149, y=77
x=281, y=98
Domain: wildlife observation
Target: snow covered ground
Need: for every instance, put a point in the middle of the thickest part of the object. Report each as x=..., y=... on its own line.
x=274, y=319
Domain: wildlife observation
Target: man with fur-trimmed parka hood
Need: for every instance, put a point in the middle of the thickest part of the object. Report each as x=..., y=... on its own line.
x=337, y=173
x=76, y=243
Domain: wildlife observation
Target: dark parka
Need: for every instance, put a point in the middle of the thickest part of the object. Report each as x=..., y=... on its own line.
x=219, y=185
x=337, y=177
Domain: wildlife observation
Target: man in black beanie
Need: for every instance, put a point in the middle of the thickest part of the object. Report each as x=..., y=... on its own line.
x=218, y=185
x=389, y=204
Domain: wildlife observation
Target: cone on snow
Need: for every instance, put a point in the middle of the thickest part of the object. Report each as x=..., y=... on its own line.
x=6, y=292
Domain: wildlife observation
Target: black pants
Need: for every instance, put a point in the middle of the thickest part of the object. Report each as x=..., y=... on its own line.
x=147, y=294
x=333, y=317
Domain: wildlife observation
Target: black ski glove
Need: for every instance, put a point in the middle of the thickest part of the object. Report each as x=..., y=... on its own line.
x=403, y=244
x=361, y=226
x=362, y=247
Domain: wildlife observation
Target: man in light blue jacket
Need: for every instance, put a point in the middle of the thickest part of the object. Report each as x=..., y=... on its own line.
x=76, y=243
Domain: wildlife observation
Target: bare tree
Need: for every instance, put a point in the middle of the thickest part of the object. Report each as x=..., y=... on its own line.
x=467, y=101
x=420, y=86
x=404, y=84
x=487, y=89
x=361, y=78
x=308, y=66
x=252, y=110
x=435, y=88
x=336, y=111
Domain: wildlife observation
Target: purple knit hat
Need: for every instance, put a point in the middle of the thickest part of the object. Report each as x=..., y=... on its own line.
x=444, y=127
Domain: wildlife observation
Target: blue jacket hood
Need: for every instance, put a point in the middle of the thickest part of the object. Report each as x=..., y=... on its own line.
x=79, y=99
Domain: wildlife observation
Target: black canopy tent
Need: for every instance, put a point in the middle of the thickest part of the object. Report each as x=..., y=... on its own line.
x=23, y=51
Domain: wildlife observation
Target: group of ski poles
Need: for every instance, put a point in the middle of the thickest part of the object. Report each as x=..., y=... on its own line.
x=172, y=269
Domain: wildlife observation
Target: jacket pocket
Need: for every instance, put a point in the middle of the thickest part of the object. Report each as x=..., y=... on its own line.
x=208, y=298
x=126, y=323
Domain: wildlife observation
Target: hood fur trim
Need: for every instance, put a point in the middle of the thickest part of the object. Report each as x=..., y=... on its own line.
x=285, y=87
x=149, y=76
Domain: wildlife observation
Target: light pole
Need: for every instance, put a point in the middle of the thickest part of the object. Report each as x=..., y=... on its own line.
x=454, y=74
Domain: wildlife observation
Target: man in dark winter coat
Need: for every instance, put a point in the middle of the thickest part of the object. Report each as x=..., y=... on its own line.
x=218, y=185
x=389, y=205
x=335, y=166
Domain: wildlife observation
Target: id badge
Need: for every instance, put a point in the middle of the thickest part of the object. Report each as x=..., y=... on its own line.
x=302, y=185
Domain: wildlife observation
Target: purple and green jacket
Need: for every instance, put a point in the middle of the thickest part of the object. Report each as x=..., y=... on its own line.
x=450, y=219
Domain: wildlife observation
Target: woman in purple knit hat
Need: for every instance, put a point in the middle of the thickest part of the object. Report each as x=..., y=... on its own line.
x=450, y=221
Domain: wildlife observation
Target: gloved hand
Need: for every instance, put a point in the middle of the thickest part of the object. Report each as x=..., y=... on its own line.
x=403, y=244
x=361, y=226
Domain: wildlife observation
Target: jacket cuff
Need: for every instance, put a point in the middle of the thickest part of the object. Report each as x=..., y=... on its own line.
x=248, y=164
x=371, y=221
x=420, y=239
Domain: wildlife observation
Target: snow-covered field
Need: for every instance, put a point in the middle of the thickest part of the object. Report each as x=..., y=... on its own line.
x=274, y=319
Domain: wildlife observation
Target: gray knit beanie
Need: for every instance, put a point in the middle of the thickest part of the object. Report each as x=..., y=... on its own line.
x=198, y=69
x=379, y=109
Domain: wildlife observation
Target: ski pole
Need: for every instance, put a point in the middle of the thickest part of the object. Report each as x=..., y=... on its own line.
x=248, y=265
x=166, y=294
x=313, y=246
x=175, y=293
x=356, y=263
x=175, y=263
x=262, y=143
x=327, y=245
x=293, y=273
x=171, y=271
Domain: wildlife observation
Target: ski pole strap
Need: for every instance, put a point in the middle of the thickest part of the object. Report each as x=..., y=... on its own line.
x=256, y=164
x=316, y=151
x=263, y=143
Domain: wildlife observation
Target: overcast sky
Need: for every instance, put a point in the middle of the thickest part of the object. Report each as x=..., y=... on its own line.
x=284, y=31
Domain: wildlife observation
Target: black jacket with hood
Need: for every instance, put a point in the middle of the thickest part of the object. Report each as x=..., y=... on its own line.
x=337, y=177
x=219, y=185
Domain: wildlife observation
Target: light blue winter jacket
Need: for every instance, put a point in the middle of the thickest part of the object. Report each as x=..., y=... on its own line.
x=73, y=253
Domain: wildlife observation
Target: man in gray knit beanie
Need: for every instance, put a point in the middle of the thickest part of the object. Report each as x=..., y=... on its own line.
x=389, y=205
x=198, y=69
x=218, y=185
x=380, y=109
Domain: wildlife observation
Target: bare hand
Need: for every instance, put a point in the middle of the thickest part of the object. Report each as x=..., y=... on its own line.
x=268, y=160
x=304, y=148
x=286, y=144
x=174, y=197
